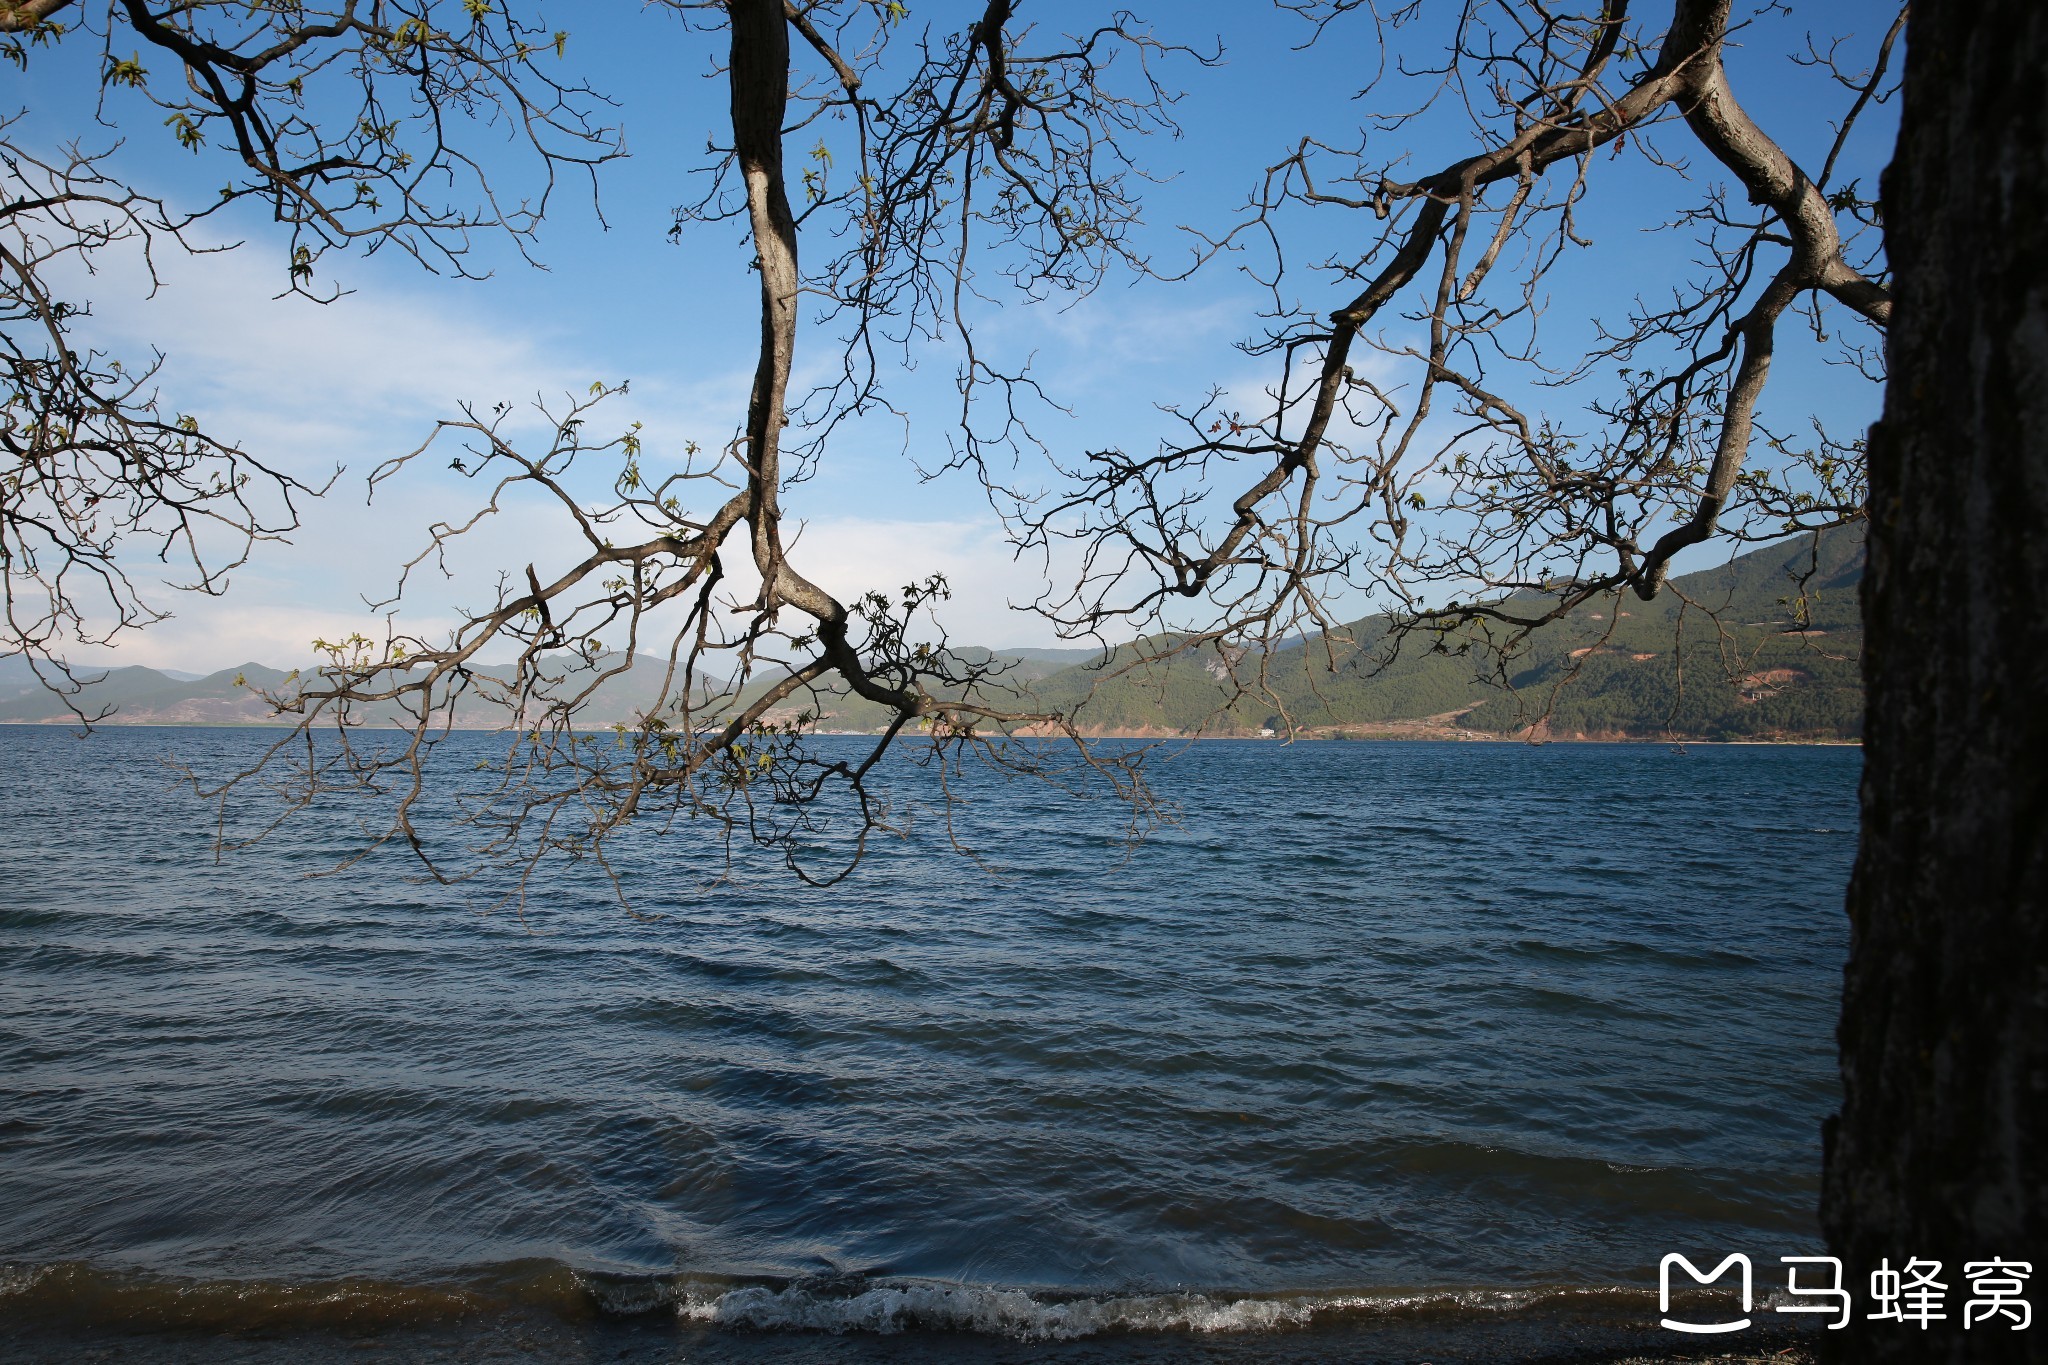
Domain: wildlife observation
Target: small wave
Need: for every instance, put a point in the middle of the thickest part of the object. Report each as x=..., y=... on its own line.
x=906, y=1306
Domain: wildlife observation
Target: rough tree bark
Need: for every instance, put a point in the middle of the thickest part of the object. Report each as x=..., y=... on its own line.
x=1944, y=1033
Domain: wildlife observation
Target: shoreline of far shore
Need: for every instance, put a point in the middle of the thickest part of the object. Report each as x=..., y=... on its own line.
x=1379, y=737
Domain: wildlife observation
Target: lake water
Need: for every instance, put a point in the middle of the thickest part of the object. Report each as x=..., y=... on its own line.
x=1419, y=1043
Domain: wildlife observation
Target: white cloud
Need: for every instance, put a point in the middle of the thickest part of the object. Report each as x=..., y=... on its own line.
x=309, y=387
x=273, y=619
x=851, y=556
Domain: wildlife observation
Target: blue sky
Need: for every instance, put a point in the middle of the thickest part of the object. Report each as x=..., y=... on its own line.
x=364, y=378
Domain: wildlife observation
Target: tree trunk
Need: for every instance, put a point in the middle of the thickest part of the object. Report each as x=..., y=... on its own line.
x=1944, y=1033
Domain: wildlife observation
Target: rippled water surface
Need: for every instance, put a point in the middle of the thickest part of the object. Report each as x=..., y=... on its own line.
x=1374, y=1019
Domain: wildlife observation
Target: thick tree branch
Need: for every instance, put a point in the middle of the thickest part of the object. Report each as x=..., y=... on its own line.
x=23, y=16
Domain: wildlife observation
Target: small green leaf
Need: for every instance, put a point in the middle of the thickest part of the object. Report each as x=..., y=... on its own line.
x=129, y=72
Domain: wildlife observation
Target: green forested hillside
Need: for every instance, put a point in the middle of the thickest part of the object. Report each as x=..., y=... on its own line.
x=1768, y=646
x=1748, y=652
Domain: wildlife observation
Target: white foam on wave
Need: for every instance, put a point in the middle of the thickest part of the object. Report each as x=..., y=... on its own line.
x=1016, y=1313
x=19, y=1279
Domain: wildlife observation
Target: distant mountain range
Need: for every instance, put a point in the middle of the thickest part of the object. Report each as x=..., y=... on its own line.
x=1767, y=647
